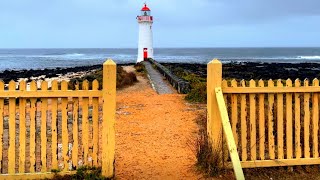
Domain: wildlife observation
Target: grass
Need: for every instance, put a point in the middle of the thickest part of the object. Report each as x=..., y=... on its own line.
x=208, y=160
x=85, y=172
x=198, y=93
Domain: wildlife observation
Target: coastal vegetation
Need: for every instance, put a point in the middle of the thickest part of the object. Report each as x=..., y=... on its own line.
x=85, y=172
x=124, y=79
x=140, y=69
x=198, y=84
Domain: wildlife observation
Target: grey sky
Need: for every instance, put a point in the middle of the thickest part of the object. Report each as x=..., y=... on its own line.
x=178, y=23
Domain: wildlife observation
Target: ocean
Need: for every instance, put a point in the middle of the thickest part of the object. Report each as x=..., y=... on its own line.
x=17, y=59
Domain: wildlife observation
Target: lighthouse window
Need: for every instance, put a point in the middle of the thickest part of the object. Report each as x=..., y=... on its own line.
x=145, y=13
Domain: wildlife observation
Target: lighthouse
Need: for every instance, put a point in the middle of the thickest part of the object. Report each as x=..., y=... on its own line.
x=145, y=46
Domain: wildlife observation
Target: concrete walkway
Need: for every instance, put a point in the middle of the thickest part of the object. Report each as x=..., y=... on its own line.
x=157, y=80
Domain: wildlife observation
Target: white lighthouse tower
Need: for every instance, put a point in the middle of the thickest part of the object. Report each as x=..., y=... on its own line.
x=145, y=48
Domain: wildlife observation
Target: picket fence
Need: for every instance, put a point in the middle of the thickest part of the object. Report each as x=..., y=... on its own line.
x=57, y=129
x=274, y=122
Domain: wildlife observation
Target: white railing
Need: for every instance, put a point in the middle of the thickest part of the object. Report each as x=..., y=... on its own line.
x=145, y=19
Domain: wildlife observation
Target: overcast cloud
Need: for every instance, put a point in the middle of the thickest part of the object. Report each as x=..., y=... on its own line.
x=178, y=23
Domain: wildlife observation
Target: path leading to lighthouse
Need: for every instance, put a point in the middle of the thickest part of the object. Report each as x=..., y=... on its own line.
x=157, y=80
x=154, y=134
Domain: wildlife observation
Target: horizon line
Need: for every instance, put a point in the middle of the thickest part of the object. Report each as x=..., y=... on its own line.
x=164, y=47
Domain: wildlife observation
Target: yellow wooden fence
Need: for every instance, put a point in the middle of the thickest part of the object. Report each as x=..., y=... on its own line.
x=274, y=122
x=44, y=129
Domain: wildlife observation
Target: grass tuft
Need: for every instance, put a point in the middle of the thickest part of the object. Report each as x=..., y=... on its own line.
x=208, y=160
x=84, y=172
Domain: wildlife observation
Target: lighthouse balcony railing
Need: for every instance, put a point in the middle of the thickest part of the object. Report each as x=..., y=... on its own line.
x=145, y=19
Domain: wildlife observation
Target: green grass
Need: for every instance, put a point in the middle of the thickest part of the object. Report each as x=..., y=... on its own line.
x=85, y=172
x=198, y=92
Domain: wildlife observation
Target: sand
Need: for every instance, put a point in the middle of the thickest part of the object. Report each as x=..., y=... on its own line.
x=154, y=134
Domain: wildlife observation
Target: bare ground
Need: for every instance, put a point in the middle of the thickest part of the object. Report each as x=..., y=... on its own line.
x=153, y=134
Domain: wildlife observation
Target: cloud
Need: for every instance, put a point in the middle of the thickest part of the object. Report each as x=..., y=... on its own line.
x=224, y=12
x=112, y=23
x=167, y=12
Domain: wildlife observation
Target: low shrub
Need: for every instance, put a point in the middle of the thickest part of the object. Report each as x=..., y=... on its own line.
x=198, y=85
x=198, y=92
x=141, y=69
x=84, y=172
x=124, y=79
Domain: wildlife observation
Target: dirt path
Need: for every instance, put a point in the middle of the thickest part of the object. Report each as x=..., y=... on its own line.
x=153, y=133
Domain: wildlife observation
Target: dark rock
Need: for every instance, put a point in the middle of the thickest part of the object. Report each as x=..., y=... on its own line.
x=256, y=70
x=8, y=75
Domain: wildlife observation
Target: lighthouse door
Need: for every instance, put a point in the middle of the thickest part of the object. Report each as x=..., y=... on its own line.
x=145, y=54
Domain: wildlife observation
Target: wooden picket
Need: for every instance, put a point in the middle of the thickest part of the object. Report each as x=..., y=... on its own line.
x=297, y=113
x=85, y=124
x=75, y=128
x=1, y=124
x=283, y=120
x=53, y=138
x=289, y=126
x=22, y=127
x=315, y=121
x=54, y=107
x=95, y=122
x=262, y=123
x=33, y=109
x=12, y=131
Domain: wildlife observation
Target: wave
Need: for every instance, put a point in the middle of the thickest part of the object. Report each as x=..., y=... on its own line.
x=178, y=58
x=59, y=55
x=74, y=54
x=273, y=58
x=309, y=57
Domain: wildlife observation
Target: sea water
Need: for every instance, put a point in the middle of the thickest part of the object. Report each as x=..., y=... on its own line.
x=18, y=59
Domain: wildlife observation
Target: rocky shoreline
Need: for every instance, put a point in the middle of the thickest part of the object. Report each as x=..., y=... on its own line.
x=244, y=70
x=256, y=70
x=44, y=74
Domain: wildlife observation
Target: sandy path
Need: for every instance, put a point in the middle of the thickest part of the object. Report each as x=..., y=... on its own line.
x=152, y=135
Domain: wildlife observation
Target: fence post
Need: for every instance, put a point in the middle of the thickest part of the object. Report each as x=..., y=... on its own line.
x=108, y=120
x=214, y=125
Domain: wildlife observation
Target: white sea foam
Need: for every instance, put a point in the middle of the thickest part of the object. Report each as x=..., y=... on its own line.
x=74, y=55
x=41, y=56
x=59, y=55
x=309, y=57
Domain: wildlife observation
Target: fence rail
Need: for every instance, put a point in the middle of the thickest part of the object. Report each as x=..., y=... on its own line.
x=43, y=129
x=274, y=122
